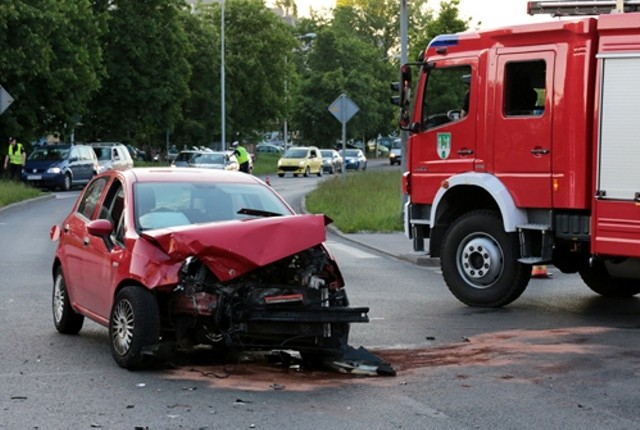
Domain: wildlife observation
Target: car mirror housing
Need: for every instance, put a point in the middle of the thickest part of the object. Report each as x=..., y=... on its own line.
x=100, y=227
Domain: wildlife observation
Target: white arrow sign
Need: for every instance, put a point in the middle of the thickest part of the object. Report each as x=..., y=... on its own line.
x=5, y=99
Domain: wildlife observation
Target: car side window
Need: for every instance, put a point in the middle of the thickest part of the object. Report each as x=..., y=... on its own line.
x=113, y=210
x=90, y=198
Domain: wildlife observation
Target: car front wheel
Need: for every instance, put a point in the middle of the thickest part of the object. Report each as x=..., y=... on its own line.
x=479, y=261
x=65, y=319
x=134, y=325
x=66, y=184
x=597, y=277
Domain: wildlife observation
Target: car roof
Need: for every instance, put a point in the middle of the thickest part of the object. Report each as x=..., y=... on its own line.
x=177, y=174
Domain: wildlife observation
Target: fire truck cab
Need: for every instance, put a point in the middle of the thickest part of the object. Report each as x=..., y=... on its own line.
x=524, y=149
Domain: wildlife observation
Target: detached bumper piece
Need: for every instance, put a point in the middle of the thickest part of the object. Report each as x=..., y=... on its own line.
x=360, y=362
x=322, y=315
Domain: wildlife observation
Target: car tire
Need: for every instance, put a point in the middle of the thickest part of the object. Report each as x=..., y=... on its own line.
x=66, y=320
x=479, y=261
x=134, y=324
x=281, y=175
x=66, y=185
x=307, y=172
x=601, y=282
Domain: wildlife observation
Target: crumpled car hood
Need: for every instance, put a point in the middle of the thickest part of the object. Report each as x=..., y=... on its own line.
x=232, y=248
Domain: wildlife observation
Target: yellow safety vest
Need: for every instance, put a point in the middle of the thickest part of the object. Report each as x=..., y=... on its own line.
x=16, y=157
x=243, y=156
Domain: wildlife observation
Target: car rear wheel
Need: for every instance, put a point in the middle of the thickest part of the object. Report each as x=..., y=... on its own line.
x=66, y=320
x=134, y=325
x=597, y=277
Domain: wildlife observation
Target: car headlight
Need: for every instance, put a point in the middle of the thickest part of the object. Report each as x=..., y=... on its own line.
x=301, y=164
x=54, y=170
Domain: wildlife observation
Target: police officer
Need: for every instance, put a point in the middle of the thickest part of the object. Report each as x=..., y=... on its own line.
x=15, y=159
x=242, y=155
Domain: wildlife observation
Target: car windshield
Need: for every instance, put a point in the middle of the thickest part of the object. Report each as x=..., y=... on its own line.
x=209, y=159
x=350, y=152
x=295, y=153
x=396, y=144
x=170, y=204
x=51, y=154
x=326, y=154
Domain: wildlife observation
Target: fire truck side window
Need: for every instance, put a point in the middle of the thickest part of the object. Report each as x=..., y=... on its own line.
x=446, y=96
x=524, y=90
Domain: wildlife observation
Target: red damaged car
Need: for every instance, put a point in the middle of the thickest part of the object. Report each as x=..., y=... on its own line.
x=182, y=258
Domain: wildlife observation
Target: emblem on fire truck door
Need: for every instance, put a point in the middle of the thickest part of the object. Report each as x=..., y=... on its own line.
x=444, y=145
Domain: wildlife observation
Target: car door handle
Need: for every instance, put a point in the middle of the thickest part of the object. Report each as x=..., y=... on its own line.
x=66, y=228
x=539, y=151
x=86, y=241
x=465, y=151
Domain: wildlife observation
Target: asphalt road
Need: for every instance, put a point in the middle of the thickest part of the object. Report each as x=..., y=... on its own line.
x=559, y=357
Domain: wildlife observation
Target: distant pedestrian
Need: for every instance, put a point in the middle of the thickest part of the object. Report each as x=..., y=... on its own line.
x=15, y=159
x=242, y=155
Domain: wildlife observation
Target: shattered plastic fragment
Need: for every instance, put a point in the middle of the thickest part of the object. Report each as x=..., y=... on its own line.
x=360, y=362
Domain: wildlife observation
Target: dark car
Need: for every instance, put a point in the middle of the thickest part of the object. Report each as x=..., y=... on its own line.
x=354, y=159
x=60, y=166
x=395, y=152
x=331, y=161
x=176, y=259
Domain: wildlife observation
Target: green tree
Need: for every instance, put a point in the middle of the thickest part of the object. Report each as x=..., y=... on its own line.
x=447, y=21
x=145, y=55
x=50, y=62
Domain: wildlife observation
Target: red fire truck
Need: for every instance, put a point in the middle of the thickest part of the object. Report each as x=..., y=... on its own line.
x=524, y=149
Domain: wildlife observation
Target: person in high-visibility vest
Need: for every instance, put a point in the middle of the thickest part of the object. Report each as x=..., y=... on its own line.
x=15, y=159
x=242, y=155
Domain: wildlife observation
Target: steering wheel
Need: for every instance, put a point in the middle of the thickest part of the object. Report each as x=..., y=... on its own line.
x=163, y=209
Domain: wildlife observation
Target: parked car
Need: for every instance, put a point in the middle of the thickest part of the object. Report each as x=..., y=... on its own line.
x=395, y=152
x=112, y=155
x=224, y=160
x=300, y=160
x=60, y=166
x=172, y=153
x=331, y=161
x=354, y=159
x=201, y=263
x=269, y=148
x=137, y=153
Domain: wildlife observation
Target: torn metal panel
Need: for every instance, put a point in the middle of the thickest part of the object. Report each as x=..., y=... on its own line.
x=231, y=249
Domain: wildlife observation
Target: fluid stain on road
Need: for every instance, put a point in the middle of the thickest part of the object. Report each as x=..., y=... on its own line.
x=528, y=353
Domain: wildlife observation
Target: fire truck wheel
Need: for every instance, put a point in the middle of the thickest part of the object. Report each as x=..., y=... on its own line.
x=479, y=261
x=598, y=279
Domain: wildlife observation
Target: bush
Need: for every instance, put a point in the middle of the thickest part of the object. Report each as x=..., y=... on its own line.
x=363, y=201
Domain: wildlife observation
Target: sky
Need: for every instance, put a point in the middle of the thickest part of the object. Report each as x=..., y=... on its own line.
x=491, y=13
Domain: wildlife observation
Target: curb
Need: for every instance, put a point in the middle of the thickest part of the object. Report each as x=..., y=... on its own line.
x=419, y=259
x=26, y=202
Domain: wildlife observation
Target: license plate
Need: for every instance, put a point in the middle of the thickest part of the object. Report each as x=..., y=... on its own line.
x=34, y=177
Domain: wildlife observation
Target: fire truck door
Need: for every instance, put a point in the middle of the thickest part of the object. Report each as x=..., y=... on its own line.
x=522, y=134
x=616, y=215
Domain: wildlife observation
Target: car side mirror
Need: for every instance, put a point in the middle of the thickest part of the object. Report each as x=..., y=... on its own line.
x=101, y=228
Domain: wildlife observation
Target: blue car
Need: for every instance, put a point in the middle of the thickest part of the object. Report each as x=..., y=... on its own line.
x=60, y=166
x=354, y=159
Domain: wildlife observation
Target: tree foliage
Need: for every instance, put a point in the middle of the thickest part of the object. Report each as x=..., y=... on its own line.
x=50, y=62
x=135, y=70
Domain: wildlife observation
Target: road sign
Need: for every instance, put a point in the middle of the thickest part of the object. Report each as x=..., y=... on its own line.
x=343, y=108
x=5, y=99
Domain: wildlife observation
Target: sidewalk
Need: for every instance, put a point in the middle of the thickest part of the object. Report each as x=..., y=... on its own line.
x=394, y=244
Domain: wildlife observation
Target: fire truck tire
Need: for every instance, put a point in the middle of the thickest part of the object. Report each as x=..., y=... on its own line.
x=598, y=279
x=479, y=261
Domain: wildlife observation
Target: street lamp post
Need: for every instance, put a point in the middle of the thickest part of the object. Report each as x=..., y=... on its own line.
x=222, y=83
x=286, y=113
